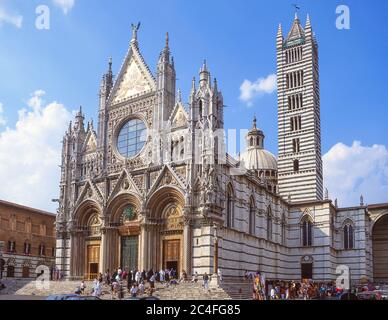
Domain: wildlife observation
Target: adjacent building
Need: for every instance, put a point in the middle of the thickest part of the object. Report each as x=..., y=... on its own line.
x=153, y=187
x=28, y=240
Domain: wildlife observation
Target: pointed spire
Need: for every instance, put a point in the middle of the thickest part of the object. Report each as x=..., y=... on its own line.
x=167, y=40
x=215, y=85
x=179, y=95
x=193, y=85
x=308, y=22
x=280, y=30
x=254, y=122
x=361, y=200
x=110, y=65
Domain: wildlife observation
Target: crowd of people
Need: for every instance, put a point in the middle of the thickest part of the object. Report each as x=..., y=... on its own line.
x=290, y=290
x=135, y=281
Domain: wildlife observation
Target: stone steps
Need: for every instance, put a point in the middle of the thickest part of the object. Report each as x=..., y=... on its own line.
x=182, y=291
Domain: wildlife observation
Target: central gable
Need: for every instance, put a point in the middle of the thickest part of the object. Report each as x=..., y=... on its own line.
x=134, y=78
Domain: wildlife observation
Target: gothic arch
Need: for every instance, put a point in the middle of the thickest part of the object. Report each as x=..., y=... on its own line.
x=83, y=212
x=162, y=197
x=376, y=220
x=116, y=206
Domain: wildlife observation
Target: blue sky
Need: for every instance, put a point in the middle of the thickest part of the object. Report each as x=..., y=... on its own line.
x=236, y=37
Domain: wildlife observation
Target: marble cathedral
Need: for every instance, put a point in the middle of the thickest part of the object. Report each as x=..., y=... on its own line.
x=152, y=185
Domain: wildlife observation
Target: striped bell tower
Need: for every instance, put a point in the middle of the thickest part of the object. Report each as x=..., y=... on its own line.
x=299, y=130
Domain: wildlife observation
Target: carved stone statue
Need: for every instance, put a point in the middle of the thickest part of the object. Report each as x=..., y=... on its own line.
x=135, y=28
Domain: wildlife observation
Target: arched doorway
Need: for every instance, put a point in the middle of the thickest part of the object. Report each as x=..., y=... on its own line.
x=167, y=233
x=2, y=264
x=86, y=242
x=380, y=250
x=122, y=240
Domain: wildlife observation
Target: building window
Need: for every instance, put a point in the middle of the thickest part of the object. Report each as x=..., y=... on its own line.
x=294, y=79
x=348, y=237
x=295, y=123
x=132, y=138
x=283, y=231
x=10, y=272
x=200, y=109
x=230, y=208
x=25, y=272
x=269, y=224
x=296, y=145
x=42, y=250
x=252, y=220
x=307, y=230
x=11, y=246
x=53, y=252
x=27, y=248
x=295, y=101
x=296, y=165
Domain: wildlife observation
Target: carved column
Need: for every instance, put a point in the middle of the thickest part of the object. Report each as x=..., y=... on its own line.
x=143, y=247
x=109, y=249
x=187, y=245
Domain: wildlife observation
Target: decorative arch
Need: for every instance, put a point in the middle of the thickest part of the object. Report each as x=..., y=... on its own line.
x=306, y=228
x=252, y=215
x=269, y=222
x=163, y=197
x=116, y=207
x=85, y=210
x=230, y=200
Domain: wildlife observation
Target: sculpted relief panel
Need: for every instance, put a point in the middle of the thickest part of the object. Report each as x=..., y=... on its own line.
x=133, y=82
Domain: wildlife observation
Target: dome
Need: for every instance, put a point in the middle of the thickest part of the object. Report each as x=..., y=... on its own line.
x=259, y=159
x=256, y=157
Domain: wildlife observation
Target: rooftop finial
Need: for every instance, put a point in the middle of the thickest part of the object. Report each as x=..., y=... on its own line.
x=167, y=39
x=179, y=95
x=110, y=64
x=254, y=122
x=135, y=29
x=296, y=6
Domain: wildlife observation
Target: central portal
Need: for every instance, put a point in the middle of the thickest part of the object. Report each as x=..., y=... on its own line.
x=171, y=254
x=129, y=252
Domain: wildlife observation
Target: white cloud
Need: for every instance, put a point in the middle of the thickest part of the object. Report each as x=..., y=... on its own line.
x=2, y=119
x=65, y=5
x=249, y=90
x=10, y=18
x=350, y=171
x=31, y=152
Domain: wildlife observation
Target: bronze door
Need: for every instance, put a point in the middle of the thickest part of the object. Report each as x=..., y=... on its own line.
x=171, y=254
x=93, y=261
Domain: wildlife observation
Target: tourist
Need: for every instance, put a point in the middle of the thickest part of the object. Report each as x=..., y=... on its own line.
x=195, y=277
x=161, y=275
x=138, y=276
x=133, y=290
x=141, y=288
x=152, y=281
x=82, y=286
x=220, y=275
x=205, y=282
x=97, y=288
x=272, y=293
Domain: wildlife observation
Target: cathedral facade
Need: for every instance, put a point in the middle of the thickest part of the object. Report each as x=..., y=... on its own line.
x=153, y=186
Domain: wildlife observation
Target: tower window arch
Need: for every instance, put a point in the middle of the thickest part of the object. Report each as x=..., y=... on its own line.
x=348, y=236
x=296, y=165
x=252, y=217
x=200, y=108
x=230, y=208
x=307, y=231
x=269, y=223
